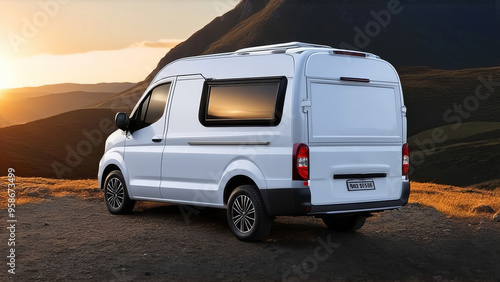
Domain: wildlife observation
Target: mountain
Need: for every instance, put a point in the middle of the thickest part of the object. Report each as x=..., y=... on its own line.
x=21, y=105
x=21, y=110
x=25, y=92
x=440, y=34
x=68, y=145
x=437, y=98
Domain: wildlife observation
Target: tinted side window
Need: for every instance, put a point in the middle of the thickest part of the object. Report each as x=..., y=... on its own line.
x=144, y=108
x=152, y=107
x=243, y=102
x=157, y=103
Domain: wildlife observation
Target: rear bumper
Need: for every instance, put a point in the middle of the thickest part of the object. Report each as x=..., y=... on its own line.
x=288, y=201
x=297, y=201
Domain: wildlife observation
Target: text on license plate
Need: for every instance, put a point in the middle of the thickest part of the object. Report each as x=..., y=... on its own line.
x=356, y=185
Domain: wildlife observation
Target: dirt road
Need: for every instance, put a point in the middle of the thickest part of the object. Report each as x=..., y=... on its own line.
x=70, y=238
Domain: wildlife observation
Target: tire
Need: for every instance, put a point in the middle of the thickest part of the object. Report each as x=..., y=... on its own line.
x=247, y=215
x=345, y=223
x=116, y=194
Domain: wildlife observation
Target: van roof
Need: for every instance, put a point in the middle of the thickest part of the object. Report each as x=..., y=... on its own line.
x=280, y=64
x=296, y=47
x=282, y=48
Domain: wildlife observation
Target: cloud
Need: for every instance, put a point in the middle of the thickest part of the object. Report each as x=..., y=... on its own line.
x=162, y=43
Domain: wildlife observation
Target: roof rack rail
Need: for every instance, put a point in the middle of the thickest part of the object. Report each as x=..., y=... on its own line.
x=289, y=45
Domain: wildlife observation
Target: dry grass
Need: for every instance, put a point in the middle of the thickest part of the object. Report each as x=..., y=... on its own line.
x=454, y=201
x=37, y=189
x=450, y=200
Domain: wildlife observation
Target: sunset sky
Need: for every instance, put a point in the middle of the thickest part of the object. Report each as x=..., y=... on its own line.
x=89, y=41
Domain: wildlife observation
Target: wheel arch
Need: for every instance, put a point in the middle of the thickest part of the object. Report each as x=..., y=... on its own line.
x=111, y=161
x=107, y=170
x=234, y=183
x=241, y=172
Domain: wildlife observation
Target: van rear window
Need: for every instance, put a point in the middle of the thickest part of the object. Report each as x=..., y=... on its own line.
x=257, y=102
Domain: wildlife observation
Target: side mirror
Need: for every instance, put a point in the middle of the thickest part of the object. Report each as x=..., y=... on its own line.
x=122, y=121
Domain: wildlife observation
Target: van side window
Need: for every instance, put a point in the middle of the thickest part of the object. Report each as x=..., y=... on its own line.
x=152, y=107
x=248, y=102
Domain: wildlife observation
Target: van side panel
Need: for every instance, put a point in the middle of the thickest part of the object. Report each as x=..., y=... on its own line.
x=197, y=160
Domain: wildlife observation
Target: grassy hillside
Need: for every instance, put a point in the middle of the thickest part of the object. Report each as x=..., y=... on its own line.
x=21, y=105
x=456, y=133
x=431, y=96
x=466, y=156
x=25, y=92
x=68, y=145
x=21, y=110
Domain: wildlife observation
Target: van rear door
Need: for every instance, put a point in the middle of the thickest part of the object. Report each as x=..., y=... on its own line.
x=355, y=130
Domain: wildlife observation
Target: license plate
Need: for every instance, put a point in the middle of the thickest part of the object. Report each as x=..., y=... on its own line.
x=359, y=185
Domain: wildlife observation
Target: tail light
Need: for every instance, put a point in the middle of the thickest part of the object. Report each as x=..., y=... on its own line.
x=300, y=162
x=406, y=160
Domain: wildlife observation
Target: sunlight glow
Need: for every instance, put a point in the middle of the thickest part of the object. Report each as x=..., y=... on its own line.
x=131, y=64
x=50, y=42
x=5, y=73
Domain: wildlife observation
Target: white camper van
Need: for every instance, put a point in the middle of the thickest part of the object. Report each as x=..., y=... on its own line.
x=286, y=129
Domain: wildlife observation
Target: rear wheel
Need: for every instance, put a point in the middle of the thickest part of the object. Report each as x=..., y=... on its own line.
x=344, y=223
x=116, y=194
x=247, y=215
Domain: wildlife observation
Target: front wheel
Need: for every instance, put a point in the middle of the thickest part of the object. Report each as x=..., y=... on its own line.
x=116, y=194
x=247, y=215
x=344, y=223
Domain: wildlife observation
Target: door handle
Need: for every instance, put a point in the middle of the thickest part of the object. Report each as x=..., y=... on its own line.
x=157, y=139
